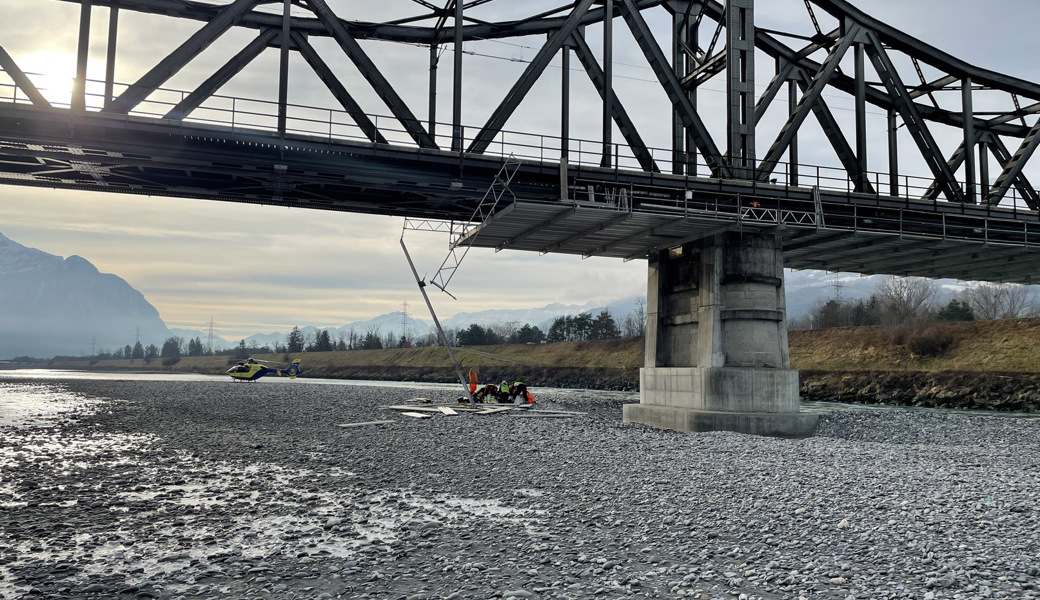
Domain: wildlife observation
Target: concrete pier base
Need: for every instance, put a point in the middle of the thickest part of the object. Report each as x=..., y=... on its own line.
x=716, y=341
x=692, y=399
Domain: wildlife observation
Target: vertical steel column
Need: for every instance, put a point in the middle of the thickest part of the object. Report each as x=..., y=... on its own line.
x=893, y=155
x=565, y=102
x=79, y=86
x=608, y=76
x=110, y=61
x=967, y=108
x=283, y=69
x=433, y=90
x=679, y=66
x=861, y=119
x=792, y=150
x=984, y=169
x=565, y=124
x=684, y=36
x=740, y=86
x=693, y=40
x=456, y=117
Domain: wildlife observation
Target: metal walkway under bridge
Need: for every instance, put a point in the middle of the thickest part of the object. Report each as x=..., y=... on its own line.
x=969, y=211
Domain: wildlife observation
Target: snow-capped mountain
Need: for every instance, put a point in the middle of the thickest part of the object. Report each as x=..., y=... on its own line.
x=51, y=306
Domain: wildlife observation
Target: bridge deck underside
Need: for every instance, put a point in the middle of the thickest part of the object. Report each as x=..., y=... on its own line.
x=590, y=229
x=613, y=213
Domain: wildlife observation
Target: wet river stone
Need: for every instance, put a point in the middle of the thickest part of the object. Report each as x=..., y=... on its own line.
x=210, y=489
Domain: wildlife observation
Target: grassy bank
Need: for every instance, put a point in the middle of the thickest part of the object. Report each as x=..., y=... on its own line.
x=1007, y=345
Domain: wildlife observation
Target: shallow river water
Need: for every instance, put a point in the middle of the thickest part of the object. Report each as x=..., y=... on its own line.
x=25, y=400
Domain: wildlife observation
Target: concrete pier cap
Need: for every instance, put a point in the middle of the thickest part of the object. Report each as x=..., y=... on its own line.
x=716, y=341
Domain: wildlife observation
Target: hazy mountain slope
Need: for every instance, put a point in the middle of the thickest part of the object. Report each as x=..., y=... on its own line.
x=51, y=305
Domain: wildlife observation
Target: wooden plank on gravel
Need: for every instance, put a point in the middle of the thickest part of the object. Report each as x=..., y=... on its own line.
x=417, y=415
x=414, y=408
x=446, y=410
x=365, y=423
x=491, y=411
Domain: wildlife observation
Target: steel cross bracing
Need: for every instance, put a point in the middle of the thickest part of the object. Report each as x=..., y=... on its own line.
x=965, y=208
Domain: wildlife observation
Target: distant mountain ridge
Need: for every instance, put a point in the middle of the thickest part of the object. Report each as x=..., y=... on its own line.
x=51, y=305
x=392, y=322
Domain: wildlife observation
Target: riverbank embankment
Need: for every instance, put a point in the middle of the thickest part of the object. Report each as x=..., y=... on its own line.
x=991, y=365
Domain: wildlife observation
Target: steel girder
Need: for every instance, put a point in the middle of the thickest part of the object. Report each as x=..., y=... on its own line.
x=856, y=30
x=810, y=99
x=174, y=62
x=222, y=76
x=527, y=79
x=22, y=81
x=338, y=90
x=673, y=88
x=621, y=118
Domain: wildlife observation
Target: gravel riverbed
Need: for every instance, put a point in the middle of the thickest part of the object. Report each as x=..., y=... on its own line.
x=209, y=489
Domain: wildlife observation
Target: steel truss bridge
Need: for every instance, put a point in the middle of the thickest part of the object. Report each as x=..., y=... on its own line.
x=969, y=210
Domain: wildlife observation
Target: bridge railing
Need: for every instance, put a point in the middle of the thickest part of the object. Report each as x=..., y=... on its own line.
x=258, y=116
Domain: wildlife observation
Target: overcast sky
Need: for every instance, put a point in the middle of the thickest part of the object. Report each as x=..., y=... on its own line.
x=264, y=269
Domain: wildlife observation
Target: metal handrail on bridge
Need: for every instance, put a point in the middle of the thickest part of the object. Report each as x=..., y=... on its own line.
x=329, y=125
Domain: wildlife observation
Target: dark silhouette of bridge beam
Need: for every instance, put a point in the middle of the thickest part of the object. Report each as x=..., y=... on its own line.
x=371, y=74
x=338, y=90
x=1013, y=168
x=848, y=157
x=621, y=118
x=811, y=96
x=21, y=80
x=945, y=178
x=673, y=88
x=523, y=85
x=180, y=57
x=224, y=74
x=1021, y=183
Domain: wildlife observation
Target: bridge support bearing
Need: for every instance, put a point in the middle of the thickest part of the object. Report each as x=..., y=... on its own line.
x=716, y=341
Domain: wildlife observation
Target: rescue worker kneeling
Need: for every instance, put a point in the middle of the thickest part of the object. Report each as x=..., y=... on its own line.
x=488, y=393
x=517, y=390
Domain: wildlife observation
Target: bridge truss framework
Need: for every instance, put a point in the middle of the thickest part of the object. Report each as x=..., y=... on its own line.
x=600, y=197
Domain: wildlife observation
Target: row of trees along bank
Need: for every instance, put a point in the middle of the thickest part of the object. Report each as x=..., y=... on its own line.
x=907, y=305
x=567, y=328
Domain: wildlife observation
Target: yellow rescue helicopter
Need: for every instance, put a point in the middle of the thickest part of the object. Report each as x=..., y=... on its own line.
x=251, y=370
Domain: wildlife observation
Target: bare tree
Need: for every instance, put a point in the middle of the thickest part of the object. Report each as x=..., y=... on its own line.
x=634, y=323
x=991, y=301
x=904, y=299
x=505, y=331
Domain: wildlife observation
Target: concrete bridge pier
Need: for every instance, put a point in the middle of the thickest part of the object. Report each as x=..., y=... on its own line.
x=716, y=341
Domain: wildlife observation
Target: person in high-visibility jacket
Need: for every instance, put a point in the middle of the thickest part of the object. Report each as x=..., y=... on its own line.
x=488, y=393
x=519, y=390
x=503, y=392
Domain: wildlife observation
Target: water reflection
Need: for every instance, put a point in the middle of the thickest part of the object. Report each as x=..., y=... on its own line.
x=26, y=400
x=25, y=404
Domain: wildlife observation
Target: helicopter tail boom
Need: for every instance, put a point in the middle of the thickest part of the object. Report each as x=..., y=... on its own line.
x=292, y=370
